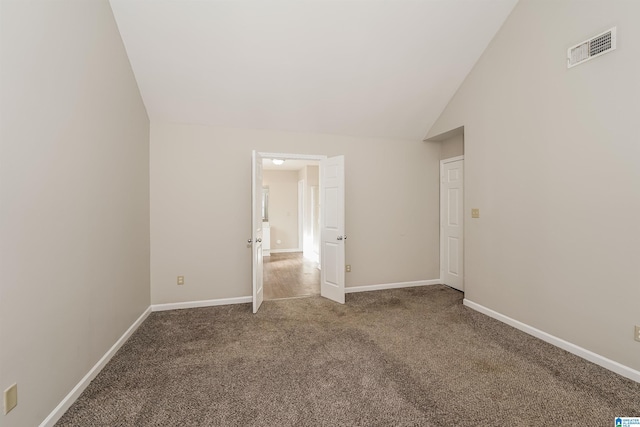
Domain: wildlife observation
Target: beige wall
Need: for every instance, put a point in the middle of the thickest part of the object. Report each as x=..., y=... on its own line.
x=551, y=161
x=283, y=208
x=452, y=147
x=200, y=207
x=74, y=189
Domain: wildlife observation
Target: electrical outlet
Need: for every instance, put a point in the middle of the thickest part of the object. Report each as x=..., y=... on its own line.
x=10, y=398
x=348, y=268
x=475, y=213
x=180, y=280
x=637, y=334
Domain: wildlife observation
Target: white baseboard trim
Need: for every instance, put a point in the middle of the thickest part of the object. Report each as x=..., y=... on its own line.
x=398, y=285
x=282, y=251
x=609, y=364
x=73, y=395
x=202, y=303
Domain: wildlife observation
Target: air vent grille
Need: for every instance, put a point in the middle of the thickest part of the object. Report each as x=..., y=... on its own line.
x=600, y=44
x=589, y=49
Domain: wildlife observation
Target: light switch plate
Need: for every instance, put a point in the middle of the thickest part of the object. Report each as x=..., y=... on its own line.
x=475, y=213
x=10, y=398
x=180, y=280
x=637, y=333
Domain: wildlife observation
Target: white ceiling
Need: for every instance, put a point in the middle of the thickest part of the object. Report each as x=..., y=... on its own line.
x=380, y=68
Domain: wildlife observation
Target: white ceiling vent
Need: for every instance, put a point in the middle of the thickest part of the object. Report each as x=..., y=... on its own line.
x=589, y=49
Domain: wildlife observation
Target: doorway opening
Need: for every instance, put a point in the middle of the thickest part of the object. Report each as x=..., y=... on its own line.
x=331, y=215
x=291, y=240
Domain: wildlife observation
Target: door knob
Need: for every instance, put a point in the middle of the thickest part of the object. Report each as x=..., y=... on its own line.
x=250, y=241
x=345, y=237
x=259, y=240
x=339, y=237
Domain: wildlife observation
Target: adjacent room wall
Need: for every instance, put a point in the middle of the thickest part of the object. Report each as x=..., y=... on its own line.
x=551, y=161
x=200, y=207
x=283, y=208
x=74, y=191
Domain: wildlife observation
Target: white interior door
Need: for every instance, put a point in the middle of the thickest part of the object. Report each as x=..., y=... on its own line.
x=256, y=232
x=332, y=236
x=452, y=223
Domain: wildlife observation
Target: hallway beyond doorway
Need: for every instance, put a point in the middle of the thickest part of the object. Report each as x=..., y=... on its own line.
x=289, y=275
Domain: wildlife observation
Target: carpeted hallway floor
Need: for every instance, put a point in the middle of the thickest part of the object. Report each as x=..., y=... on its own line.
x=407, y=357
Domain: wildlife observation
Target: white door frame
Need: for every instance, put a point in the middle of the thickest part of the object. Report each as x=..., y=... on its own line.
x=315, y=235
x=301, y=208
x=442, y=237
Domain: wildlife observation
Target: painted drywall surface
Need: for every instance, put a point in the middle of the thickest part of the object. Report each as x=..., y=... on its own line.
x=452, y=147
x=382, y=68
x=200, y=207
x=551, y=161
x=74, y=223
x=283, y=208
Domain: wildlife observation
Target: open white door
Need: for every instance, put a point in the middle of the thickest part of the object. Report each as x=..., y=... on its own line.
x=256, y=230
x=332, y=237
x=452, y=223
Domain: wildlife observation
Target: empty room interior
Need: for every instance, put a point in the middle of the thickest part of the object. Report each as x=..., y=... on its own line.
x=459, y=192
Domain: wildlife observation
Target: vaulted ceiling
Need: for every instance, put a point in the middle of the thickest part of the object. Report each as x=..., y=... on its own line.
x=350, y=67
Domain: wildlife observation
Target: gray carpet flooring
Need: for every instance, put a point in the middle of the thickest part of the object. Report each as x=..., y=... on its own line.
x=406, y=357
